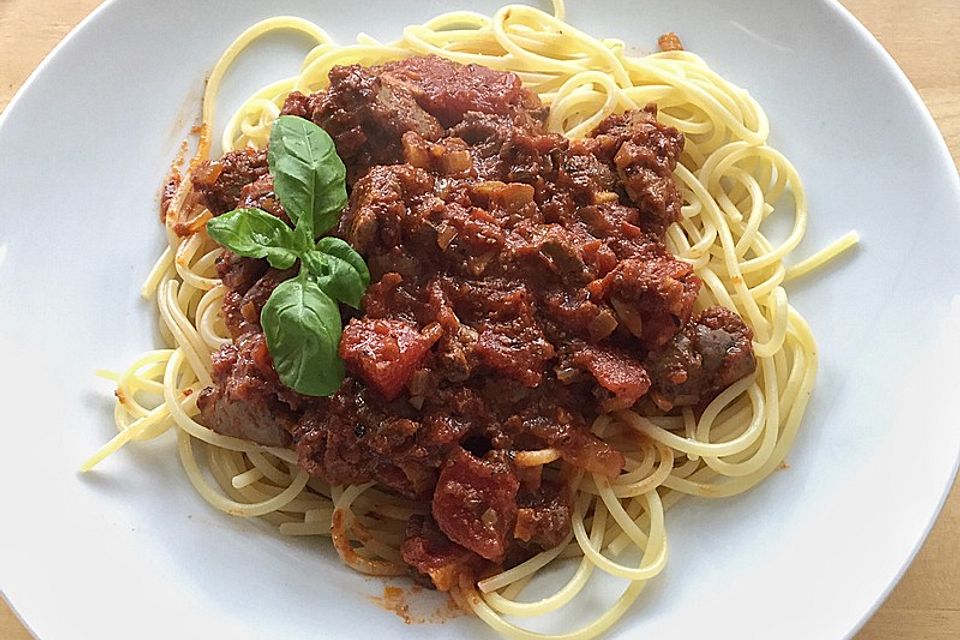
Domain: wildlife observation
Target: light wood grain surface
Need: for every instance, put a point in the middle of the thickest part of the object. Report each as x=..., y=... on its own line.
x=922, y=35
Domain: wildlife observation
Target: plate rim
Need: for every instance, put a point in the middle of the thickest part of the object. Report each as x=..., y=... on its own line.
x=946, y=158
x=841, y=13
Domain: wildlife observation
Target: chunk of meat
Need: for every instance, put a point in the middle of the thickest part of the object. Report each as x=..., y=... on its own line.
x=475, y=503
x=366, y=114
x=220, y=183
x=259, y=194
x=451, y=417
x=653, y=298
x=301, y=105
x=243, y=401
x=456, y=354
x=558, y=250
x=544, y=518
x=583, y=175
x=611, y=219
x=385, y=353
x=712, y=352
x=238, y=273
x=393, y=297
x=507, y=148
x=378, y=204
x=644, y=153
x=405, y=220
x=242, y=305
x=618, y=373
x=586, y=451
x=434, y=556
x=531, y=158
x=486, y=134
x=467, y=236
x=488, y=325
x=489, y=300
x=576, y=314
x=448, y=90
x=517, y=349
x=357, y=437
x=565, y=431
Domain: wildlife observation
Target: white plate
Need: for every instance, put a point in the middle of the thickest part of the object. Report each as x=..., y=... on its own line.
x=130, y=551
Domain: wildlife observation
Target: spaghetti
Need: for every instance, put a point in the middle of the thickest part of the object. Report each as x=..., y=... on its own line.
x=731, y=181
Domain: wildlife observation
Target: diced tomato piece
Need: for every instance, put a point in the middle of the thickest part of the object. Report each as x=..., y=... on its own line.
x=385, y=353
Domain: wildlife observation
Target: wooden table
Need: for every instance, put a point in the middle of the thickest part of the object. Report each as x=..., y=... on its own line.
x=926, y=603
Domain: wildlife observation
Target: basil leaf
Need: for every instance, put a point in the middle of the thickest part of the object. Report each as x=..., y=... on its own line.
x=337, y=278
x=303, y=239
x=340, y=249
x=302, y=327
x=253, y=233
x=309, y=177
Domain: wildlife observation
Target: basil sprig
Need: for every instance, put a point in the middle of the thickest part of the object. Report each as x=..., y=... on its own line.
x=301, y=319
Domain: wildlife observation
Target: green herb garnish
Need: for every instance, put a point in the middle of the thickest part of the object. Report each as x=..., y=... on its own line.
x=308, y=176
x=302, y=325
x=254, y=233
x=301, y=319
